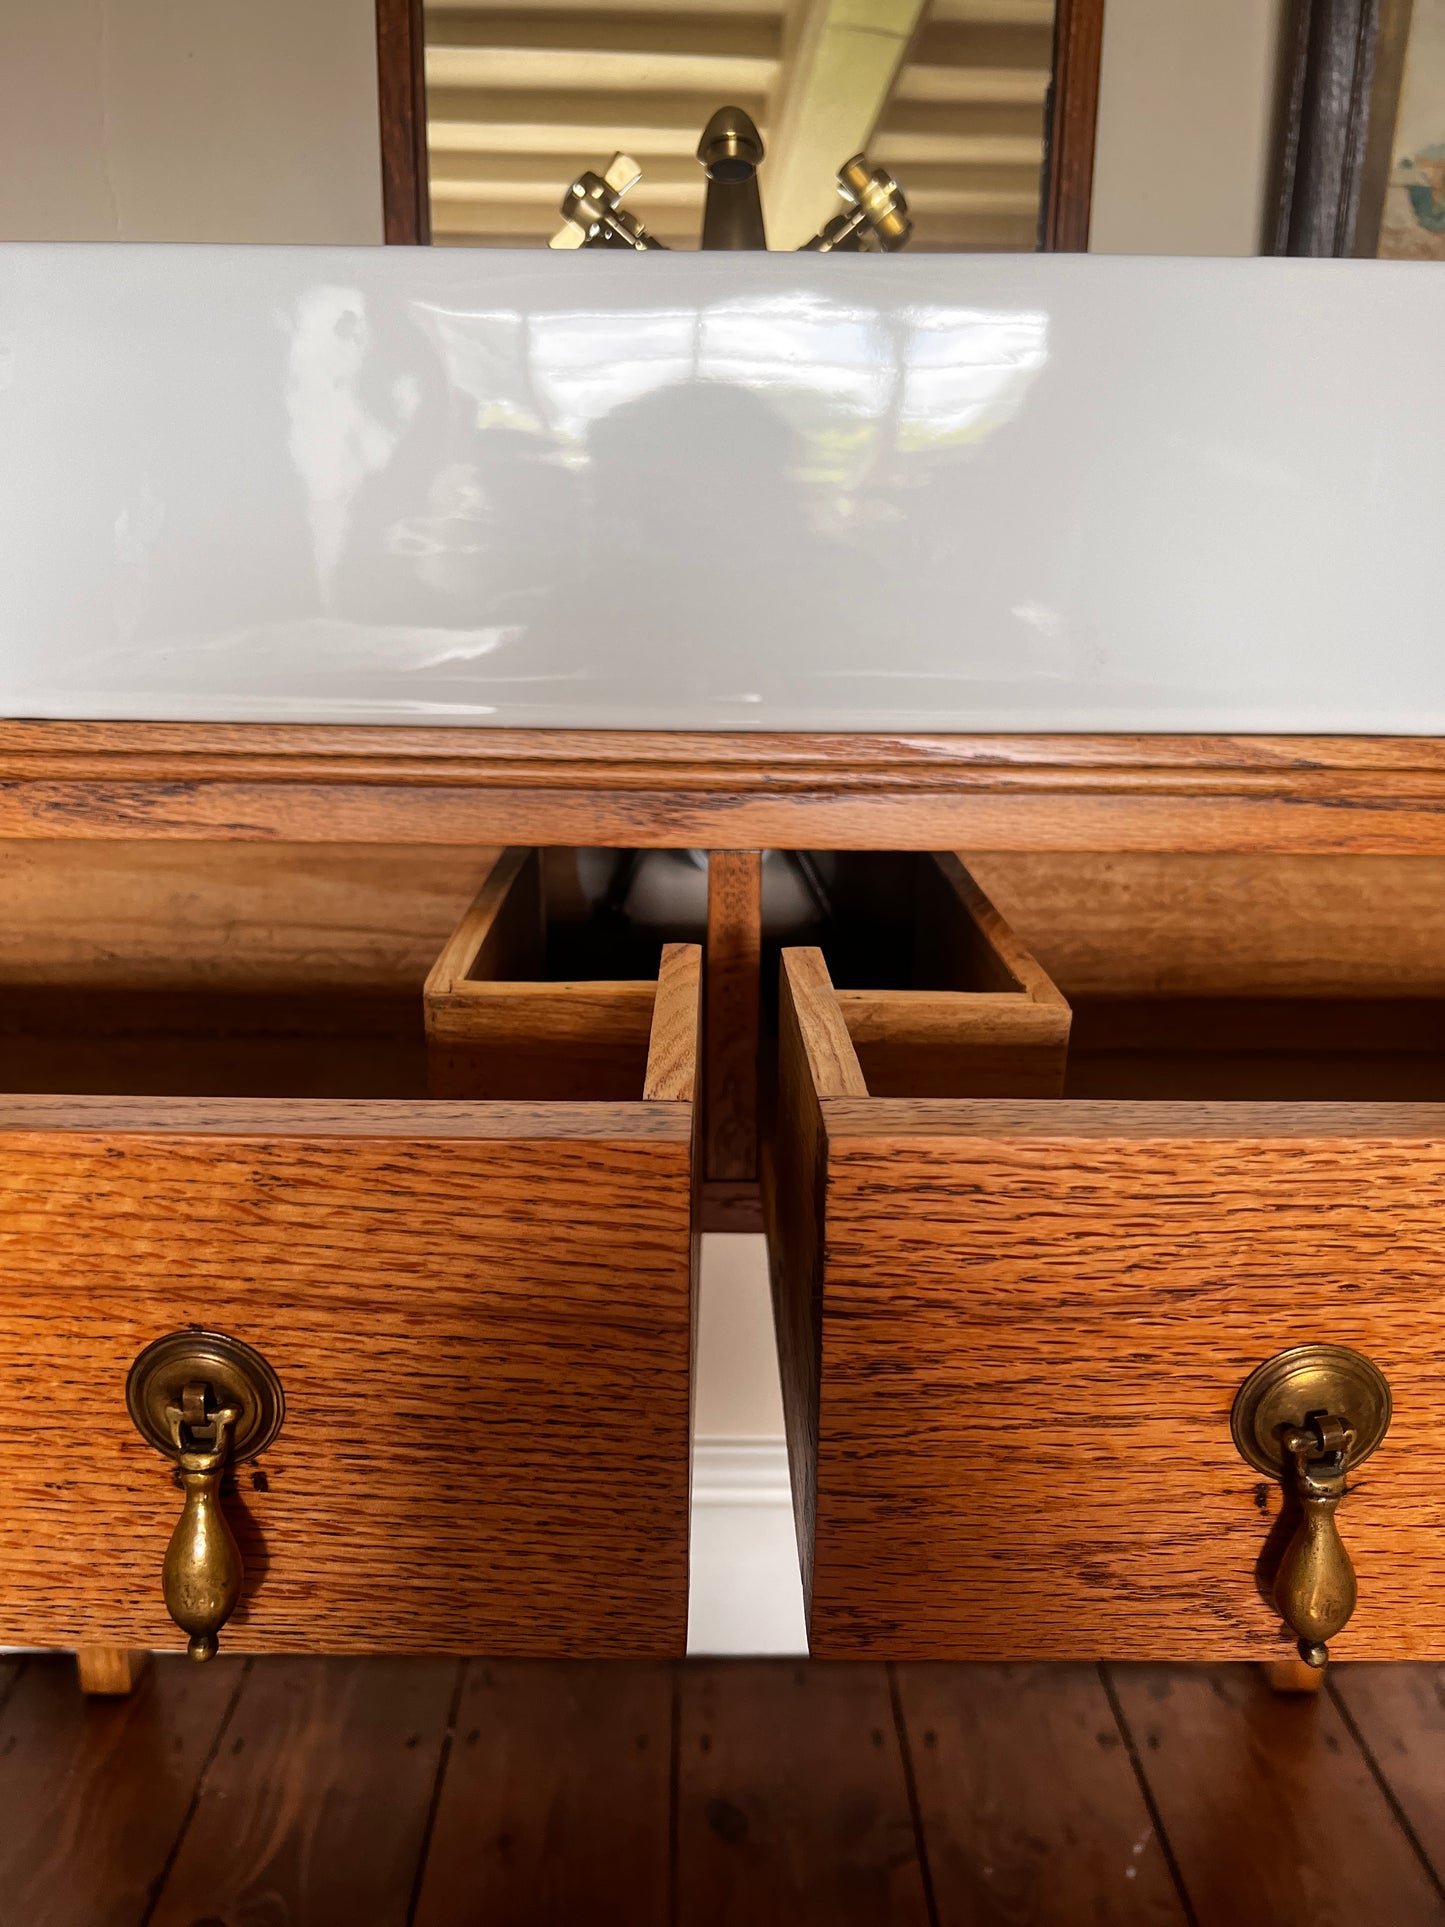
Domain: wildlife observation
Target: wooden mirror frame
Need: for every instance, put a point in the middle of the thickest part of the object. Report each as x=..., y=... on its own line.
x=1071, y=115
x=401, y=91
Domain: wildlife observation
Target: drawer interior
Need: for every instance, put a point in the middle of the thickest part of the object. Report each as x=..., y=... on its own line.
x=1239, y=977
x=249, y=970
x=938, y=995
x=1239, y=1049
x=302, y=971
x=529, y=998
x=1185, y=978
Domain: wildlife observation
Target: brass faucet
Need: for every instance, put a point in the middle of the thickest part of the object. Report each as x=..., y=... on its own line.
x=875, y=214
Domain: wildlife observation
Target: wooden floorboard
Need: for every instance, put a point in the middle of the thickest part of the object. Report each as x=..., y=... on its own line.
x=1398, y=1715
x=555, y=1807
x=314, y=1810
x=1271, y=1811
x=10, y=1670
x=793, y=1798
x=94, y=1793
x=1030, y=1808
x=727, y=1793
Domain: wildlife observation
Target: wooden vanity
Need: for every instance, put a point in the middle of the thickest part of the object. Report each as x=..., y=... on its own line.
x=1092, y=1073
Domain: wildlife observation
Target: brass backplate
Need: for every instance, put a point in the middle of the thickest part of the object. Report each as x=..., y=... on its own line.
x=1288, y=1389
x=236, y=1372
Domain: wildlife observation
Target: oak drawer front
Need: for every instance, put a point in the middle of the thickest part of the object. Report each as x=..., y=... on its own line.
x=1012, y=1334
x=480, y=1315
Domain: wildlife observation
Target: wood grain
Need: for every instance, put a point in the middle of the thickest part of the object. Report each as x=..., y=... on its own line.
x=982, y=948
x=496, y=1029
x=734, y=966
x=401, y=89
x=815, y=1058
x=553, y=1804
x=342, y=784
x=732, y=1205
x=315, y=1807
x=1031, y=1323
x=1271, y=1813
x=1398, y=1714
x=994, y=1025
x=501, y=933
x=1073, y=113
x=1226, y=926
x=1028, y=1801
x=793, y=1802
x=108, y=1671
x=481, y=1317
x=94, y=1793
x=675, y=1042
x=557, y=1042
x=930, y=1043
x=556, y=1804
x=273, y=918
x=819, y=1025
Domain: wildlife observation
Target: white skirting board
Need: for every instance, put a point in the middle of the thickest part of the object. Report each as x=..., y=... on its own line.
x=746, y=1594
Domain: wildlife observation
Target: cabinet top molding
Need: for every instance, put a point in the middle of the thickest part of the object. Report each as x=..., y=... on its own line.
x=720, y=493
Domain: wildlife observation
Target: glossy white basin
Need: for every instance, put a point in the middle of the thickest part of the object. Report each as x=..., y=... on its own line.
x=720, y=492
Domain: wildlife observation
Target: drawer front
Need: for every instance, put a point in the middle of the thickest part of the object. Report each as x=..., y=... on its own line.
x=480, y=1317
x=1012, y=1335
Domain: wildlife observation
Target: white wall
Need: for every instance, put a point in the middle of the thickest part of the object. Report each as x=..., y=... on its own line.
x=1187, y=102
x=189, y=120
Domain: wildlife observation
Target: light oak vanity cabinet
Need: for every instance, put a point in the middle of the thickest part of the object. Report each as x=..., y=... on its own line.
x=1072, y=1081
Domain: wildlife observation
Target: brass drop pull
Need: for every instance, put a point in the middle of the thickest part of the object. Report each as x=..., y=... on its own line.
x=202, y=1571
x=1315, y=1589
x=207, y=1402
x=1311, y=1415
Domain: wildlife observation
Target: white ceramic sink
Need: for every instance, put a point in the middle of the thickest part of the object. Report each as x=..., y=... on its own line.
x=720, y=491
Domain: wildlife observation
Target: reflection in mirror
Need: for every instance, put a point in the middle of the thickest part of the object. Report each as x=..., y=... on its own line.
x=948, y=96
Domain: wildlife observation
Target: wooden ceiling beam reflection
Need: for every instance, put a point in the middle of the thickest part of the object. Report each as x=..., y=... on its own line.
x=614, y=53
x=840, y=61
x=948, y=93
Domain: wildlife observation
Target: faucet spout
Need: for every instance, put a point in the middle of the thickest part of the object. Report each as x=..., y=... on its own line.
x=730, y=151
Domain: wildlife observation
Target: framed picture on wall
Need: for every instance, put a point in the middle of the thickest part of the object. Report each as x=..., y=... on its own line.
x=1361, y=158
x=1402, y=196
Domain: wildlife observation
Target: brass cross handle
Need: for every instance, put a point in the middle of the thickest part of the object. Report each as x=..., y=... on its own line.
x=207, y=1402
x=1311, y=1415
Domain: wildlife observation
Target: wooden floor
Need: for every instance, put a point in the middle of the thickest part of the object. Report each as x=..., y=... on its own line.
x=362, y=1793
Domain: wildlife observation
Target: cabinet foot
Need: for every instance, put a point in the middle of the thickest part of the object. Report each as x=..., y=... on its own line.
x=1293, y=1676
x=109, y=1669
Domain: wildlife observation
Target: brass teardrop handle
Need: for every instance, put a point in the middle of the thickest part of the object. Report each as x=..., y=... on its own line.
x=208, y=1402
x=1311, y=1415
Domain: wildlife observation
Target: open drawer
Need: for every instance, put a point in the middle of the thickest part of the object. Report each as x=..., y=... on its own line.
x=479, y=1313
x=1012, y=1332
